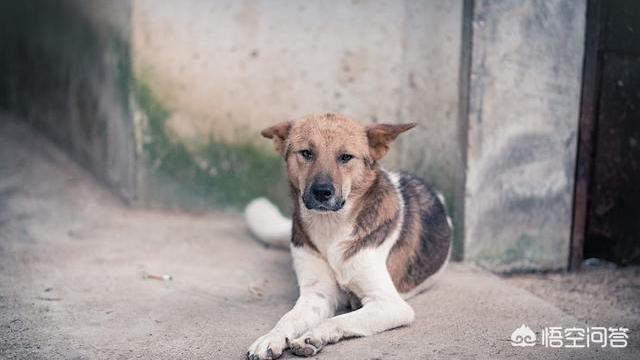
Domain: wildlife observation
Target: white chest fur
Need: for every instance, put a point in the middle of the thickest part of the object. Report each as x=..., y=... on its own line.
x=330, y=233
x=326, y=229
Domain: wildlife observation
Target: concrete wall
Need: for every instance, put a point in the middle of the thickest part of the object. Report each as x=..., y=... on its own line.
x=525, y=92
x=222, y=70
x=64, y=67
x=173, y=119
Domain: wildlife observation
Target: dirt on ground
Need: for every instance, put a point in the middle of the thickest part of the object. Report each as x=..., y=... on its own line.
x=602, y=295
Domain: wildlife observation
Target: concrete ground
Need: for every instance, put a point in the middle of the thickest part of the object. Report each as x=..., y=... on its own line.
x=72, y=285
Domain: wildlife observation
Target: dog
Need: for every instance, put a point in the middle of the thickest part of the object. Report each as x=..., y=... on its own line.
x=361, y=237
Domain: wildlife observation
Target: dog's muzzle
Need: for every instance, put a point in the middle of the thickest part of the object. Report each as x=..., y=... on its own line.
x=322, y=197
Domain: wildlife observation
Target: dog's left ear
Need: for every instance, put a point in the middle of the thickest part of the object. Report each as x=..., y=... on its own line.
x=381, y=135
x=279, y=134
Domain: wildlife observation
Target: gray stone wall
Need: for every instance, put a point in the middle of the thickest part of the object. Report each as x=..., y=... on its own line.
x=524, y=106
x=223, y=70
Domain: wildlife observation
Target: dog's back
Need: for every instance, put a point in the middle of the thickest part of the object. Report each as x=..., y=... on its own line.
x=424, y=243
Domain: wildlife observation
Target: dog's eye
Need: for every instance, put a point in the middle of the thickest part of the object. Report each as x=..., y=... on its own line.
x=344, y=158
x=307, y=154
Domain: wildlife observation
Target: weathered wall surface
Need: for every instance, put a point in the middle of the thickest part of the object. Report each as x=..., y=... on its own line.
x=64, y=66
x=207, y=76
x=524, y=104
x=220, y=71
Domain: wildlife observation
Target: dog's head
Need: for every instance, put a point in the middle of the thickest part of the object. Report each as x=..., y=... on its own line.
x=331, y=159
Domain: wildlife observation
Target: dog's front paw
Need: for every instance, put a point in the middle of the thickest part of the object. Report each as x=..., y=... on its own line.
x=312, y=342
x=306, y=345
x=267, y=347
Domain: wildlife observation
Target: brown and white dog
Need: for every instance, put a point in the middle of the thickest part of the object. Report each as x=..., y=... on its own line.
x=360, y=236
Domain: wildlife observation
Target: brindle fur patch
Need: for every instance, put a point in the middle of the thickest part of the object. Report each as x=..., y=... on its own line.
x=425, y=238
x=378, y=215
x=299, y=236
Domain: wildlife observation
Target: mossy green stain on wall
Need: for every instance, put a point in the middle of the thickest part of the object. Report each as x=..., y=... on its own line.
x=215, y=174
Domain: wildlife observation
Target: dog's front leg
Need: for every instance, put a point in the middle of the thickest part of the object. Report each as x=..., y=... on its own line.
x=319, y=298
x=382, y=307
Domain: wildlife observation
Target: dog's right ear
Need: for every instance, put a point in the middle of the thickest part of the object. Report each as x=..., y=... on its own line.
x=278, y=133
x=382, y=135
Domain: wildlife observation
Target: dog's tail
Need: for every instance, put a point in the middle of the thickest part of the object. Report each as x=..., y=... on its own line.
x=267, y=224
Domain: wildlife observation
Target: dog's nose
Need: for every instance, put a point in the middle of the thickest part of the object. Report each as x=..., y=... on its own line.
x=322, y=191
